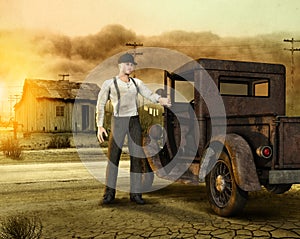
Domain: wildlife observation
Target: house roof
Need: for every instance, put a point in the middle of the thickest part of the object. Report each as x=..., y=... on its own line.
x=62, y=89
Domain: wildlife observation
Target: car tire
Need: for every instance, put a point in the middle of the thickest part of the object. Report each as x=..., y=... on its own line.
x=224, y=195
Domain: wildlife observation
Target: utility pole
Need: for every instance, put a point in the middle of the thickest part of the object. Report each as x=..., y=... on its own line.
x=292, y=83
x=63, y=76
x=11, y=99
x=134, y=45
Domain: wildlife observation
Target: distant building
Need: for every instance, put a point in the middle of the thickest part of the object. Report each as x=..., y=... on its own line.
x=57, y=106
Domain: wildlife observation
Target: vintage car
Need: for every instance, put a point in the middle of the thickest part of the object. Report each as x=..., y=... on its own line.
x=252, y=143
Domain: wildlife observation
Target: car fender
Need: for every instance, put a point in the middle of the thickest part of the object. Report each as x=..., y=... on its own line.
x=241, y=157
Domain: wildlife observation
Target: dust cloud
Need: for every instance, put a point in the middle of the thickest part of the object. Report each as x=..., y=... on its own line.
x=45, y=55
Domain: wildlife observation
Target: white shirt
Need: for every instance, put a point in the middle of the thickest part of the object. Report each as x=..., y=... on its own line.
x=128, y=98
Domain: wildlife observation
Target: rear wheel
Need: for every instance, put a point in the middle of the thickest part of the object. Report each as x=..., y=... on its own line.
x=225, y=196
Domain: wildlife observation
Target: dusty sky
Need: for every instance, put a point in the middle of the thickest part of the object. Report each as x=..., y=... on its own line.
x=223, y=17
x=42, y=38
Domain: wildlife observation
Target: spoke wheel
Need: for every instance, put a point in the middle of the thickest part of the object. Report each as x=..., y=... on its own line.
x=225, y=197
x=221, y=184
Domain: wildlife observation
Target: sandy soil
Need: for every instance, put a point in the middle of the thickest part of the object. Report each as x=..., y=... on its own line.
x=35, y=147
x=71, y=209
x=60, y=205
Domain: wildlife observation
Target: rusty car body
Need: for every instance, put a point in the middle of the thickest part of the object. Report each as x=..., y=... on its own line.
x=260, y=146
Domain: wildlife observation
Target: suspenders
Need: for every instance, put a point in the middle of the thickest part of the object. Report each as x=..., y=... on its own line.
x=118, y=91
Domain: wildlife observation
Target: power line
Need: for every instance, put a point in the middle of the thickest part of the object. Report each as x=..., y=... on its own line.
x=134, y=45
x=262, y=45
x=11, y=99
x=13, y=86
x=292, y=83
x=292, y=49
x=64, y=76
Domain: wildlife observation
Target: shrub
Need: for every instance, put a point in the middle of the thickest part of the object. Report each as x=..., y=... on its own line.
x=21, y=227
x=11, y=148
x=59, y=142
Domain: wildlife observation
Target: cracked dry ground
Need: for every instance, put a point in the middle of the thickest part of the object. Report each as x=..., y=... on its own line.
x=71, y=209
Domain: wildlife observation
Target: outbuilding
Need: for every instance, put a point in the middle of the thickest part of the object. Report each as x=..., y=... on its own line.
x=57, y=106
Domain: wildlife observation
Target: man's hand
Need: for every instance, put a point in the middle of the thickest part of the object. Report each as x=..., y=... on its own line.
x=165, y=101
x=100, y=133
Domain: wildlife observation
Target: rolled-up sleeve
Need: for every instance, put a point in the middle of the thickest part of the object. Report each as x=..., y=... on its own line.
x=101, y=102
x=146, y=92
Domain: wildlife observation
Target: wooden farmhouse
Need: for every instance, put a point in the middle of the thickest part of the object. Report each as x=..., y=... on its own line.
x=57, y=106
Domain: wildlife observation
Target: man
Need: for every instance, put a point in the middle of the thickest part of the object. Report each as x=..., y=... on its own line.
x=123, y=91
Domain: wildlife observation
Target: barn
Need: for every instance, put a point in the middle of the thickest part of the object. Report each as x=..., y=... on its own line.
x=57, y=106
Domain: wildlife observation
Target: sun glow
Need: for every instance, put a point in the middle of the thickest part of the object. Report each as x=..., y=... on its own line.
x=1, y=92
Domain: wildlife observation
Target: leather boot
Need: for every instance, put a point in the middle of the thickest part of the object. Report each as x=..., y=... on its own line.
x=109, y=195
x=137, y=198
x=135, y=188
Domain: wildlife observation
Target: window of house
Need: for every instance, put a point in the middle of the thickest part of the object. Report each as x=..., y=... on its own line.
x=60, y=110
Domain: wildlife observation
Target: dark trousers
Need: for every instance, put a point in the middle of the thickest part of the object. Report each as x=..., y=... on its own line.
x=122, y=126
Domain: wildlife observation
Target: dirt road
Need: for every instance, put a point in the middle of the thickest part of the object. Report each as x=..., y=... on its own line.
x=69, y=208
